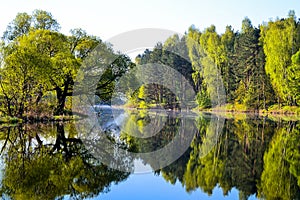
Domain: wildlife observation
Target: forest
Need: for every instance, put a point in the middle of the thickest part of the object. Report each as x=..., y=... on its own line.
x=257, y=68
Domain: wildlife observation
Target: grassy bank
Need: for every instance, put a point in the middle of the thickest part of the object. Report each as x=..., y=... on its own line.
x=235, y=109
x=272, y=110
x=34, y=119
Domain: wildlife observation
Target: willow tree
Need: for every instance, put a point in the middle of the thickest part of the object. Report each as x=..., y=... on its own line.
x=19, y=85
x=38, y=60
x=43, y=62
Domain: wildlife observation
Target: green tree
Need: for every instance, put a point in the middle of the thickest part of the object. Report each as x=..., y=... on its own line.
x=172, y=54
x=19, y=82
x=49, y=64
x=108, y=80
x=19, y=26
x=280, y=43
x=48, y=61
x=293, y=73
x=249, y=68
x=44, y=20
x=207, y=55
x=227, y=40
x=24, y=22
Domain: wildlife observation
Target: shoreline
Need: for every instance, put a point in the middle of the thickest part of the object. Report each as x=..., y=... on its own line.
x=284, y=112
x=37, y=119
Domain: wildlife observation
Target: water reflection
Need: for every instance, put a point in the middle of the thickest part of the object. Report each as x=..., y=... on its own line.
x=255, y=155
x=48, y=161
x=172, y=139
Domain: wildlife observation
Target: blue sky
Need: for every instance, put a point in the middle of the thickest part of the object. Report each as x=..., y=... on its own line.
x=109, y=18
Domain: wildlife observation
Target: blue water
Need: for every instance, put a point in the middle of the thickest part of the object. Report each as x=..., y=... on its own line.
x=149, y=187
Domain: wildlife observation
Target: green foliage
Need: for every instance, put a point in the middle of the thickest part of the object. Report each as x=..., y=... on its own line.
x=254, y=67
x=207, y=56
x=106, y=85
x=203, y=99
x=293, y=73
x=9, y=120
x=38, y=60
x=227, y=39
x=173, y=54
x=253, y=86
x=280, y=43
x=253, y=63
x=24, y=23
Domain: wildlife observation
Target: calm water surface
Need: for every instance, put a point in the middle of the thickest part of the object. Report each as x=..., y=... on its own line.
x=241, y=157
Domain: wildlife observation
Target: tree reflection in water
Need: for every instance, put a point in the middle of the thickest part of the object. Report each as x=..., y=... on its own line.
x=48, y=161
x=255, y=155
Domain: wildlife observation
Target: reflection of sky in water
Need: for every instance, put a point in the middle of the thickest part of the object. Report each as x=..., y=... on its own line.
x=149, y=186
x=139, y=166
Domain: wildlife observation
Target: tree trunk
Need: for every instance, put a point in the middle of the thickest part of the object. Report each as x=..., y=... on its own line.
x=61, y=95
x=61, y=99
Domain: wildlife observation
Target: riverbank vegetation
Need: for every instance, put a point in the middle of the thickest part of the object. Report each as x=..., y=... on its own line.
x=254, y=69
x=39, y=65
x=259, y=66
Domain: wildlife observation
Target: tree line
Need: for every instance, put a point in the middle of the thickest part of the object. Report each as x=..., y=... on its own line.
x=255, y=68
x=258, y=66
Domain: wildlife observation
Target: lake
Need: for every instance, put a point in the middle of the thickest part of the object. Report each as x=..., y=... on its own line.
x=154, y=154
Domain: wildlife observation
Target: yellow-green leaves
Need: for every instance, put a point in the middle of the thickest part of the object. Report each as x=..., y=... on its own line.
x=279, y=39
